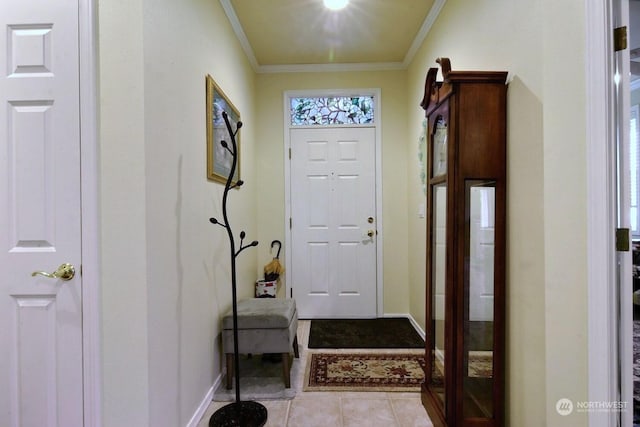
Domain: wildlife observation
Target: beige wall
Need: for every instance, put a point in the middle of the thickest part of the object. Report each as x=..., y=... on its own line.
x=270, y=165
x=125, y=389
x=565, y=206
x=166, y=274
x=546, y=250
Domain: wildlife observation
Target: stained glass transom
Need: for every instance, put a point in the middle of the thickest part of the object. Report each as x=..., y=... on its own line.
x=332, y=110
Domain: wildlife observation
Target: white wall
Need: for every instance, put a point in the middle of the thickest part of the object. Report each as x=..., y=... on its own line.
x=166, y=274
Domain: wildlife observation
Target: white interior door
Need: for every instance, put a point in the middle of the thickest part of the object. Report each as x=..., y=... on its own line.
x=333, y=234
x=41, y=333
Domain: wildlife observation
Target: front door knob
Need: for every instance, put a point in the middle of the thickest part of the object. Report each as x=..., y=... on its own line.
x=65, y=272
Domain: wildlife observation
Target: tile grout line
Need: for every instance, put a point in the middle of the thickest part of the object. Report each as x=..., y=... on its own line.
x=393, y=410
x=288, y=411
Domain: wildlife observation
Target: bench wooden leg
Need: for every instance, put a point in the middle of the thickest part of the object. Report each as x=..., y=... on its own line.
x=285, y=370
x=229, y=370
x=296, y=354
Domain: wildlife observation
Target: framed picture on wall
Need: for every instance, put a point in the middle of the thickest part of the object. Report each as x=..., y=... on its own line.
x=219, y=159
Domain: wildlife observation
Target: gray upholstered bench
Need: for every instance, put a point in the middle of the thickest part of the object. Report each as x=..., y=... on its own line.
x=265, y=325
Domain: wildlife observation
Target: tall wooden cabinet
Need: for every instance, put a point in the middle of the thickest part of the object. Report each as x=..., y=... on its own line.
x=465, y=286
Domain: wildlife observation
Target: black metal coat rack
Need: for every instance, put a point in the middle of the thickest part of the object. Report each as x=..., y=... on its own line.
x=238, y=413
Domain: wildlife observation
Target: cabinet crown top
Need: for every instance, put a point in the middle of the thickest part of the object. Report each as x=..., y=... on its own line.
x=433, y=90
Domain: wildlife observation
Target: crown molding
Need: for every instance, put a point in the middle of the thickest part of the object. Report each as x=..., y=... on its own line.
x=237, y=28
x=433, y=14
x=336, y=67
x=331, y=68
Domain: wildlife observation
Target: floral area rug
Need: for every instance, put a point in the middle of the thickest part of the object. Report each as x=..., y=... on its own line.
x=480, y=364
x=364, y=372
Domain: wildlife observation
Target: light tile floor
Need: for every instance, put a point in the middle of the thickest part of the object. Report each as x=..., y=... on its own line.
x=337, y=409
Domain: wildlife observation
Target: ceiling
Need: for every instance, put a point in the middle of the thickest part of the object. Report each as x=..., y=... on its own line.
x=301, y=35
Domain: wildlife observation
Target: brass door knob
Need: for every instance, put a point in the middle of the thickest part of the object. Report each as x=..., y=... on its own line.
x=65, y=272
x=371, y=233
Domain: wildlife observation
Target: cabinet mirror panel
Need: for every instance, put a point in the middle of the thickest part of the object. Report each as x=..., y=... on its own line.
x=479, y=299
x=438, y=290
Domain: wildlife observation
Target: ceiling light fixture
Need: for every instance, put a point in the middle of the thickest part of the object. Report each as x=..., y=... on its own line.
x=335, y=4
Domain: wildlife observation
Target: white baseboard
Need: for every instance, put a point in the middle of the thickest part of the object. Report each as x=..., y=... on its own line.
x=411, y=319
x=206, y=401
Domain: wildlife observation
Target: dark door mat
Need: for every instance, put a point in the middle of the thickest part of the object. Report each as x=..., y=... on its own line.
x=364, y=333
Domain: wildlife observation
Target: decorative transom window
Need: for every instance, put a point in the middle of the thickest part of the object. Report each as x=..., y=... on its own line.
x=332, y=110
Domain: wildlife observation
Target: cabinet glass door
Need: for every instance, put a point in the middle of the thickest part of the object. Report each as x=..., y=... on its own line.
x=479, y=299
x=438, y=290
x=440, y=140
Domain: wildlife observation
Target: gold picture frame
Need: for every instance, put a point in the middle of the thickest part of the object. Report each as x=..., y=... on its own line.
x=219, y=159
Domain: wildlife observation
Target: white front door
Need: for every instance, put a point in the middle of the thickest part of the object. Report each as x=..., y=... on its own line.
x=333, y=234
x=481, y=251
x=41, y=359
